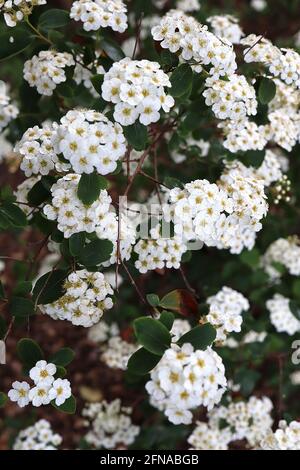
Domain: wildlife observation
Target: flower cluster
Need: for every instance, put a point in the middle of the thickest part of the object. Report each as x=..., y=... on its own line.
x=101, y=332
x=225, y=309
x=267, y=173
x=46, y=387
x=6, y=149
x=36, y=149
x=232, y=99
x=286, y=252
x=85, y=299
x=282, y=63
x=248, y=420
x=83, y=73
x=46, y=70
x=188, y=5
x=111, y=425
x=8, y=111
x=40, y=436
x=71, y=214
x=136, y=87
x=251, y=336
x=158, y=253
x=181, y=33
x=117, y=352
x=286, y=437
x=15, y=10
x=86, y=140
x=225, y=215
x=247, y=136
x=21, y=194
x=226, y=27
x=206, y=437
x=281, y=316
x=96, y=14
x=185, y=379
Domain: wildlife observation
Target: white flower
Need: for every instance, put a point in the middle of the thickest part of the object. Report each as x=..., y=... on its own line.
x=8, y=111
x=100, y=14
x=40, y=436
x=137, y=88
x=60, y=391
x=39, y=395
x=19, y=393
x=110, y=425
x=185, y=379
x=42, y=373
x=84, y=301
x=179, y=416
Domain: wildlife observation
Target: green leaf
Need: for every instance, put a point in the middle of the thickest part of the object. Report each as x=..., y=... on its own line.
x=266, y=90
x=294, y=308
x=181, y=80
x=66, y=90
x=97, y=81
x=167, y=319
x=3, y=399
x=253, y=158
x=152, y=334
x=14, y=41
x=96, y=252
x=281, y=268
x=60, y=372
x=53, y=18
x=63, y=357
x=69, y=406
x=250, y=258
x=112, y=49
x=29, y=352
x=247, y=378
x=180, y=301
x=136, y=135
x=76, y=243
x=49, y=287
x=14, y=214
x=199, y=337
x=21, y=307
x=23, y=288
x=152, y=299
x=89, y=187
x=142, y=362
x=171, y=182
x=40, y=191
x=168, y=59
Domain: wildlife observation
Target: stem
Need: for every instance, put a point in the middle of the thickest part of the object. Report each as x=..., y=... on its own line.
x=37, y=32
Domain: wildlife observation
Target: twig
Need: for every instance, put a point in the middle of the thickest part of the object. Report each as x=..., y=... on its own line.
x=141, y=172
x=186, y=282
x=138, y=34
x=253, y=45
x=134, y=283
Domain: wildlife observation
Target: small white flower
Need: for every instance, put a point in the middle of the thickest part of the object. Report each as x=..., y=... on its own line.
x=60, y=391
x=42, y=373
x=19, y=393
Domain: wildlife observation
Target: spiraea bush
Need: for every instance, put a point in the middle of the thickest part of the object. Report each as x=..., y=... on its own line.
x=149, y=217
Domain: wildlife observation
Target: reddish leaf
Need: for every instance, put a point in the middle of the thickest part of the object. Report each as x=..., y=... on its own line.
x=180, y=301
x=127, y=334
